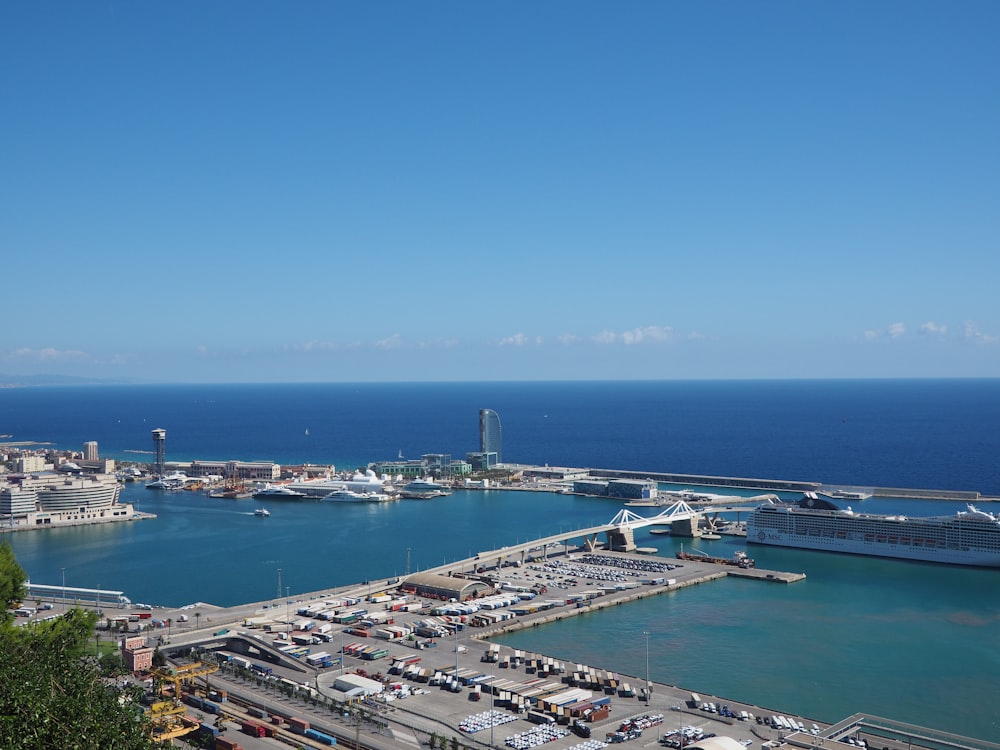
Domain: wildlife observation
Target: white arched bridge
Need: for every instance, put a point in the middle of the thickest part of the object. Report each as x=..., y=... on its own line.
x=682, y=518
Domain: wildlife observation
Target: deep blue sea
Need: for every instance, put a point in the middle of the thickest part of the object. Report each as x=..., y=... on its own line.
x=911, y=641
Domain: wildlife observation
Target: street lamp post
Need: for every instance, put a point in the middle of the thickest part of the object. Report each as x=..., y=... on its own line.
x=63, y=586
x=493, y=701
x=648, y=690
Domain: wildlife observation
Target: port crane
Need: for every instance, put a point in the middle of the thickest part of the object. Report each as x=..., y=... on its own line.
x=167, y=716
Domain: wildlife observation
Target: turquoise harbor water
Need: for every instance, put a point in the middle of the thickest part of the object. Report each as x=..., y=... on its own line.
x=911, y=641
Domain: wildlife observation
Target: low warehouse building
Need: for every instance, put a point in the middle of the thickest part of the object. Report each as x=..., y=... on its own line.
x=356, y=685
x=436, y=586
x=716, y=743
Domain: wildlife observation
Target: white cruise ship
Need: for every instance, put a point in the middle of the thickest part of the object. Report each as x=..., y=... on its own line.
x=970, y=537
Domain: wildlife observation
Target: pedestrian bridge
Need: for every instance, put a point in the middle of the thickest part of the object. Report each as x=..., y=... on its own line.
x=619, y=533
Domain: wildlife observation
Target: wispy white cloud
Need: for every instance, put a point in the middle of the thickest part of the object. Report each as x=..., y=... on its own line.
x=315, y=346
x=930, y=328
x=567, y=339
x=395, y=341
x=971, y=332
x=50, y=354
x=441, y=344
x=892, y=331
x=644, y=335
x=518, y=339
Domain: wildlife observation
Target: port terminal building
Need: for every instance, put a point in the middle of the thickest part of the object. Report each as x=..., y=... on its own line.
x=619, y=489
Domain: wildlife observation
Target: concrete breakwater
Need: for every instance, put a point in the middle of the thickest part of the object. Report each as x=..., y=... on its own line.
x=788, y=485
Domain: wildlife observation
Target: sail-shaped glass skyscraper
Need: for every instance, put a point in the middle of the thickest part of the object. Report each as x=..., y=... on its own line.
x=490, y=435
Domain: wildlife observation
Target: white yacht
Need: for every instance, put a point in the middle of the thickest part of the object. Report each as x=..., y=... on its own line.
x=423, y=489
x=360, y=483
x=277, y=492
x=350, y=496
x=173, y=481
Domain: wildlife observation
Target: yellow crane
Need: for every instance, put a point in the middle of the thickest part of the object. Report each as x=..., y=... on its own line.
x=167, y=716
x=179, y=676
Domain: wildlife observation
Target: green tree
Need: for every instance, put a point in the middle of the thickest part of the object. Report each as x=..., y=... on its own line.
x=52, y=693
x=12, y=578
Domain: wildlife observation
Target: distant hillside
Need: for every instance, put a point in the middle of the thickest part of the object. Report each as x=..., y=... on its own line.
x=19, y=381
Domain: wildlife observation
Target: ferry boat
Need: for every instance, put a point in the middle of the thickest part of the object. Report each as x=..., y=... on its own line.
x=970, y=537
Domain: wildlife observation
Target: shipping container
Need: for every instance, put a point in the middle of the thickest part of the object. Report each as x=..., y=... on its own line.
x=321, y=737
x=193, y=700
x=537, y=717
x=224, y=743
x=253, y=729
x=298, y=725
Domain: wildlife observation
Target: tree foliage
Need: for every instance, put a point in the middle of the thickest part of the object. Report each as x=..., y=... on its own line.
x=12, y=578
x=52, y=693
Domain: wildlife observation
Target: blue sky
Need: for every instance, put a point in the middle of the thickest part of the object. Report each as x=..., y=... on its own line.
x=313, y=191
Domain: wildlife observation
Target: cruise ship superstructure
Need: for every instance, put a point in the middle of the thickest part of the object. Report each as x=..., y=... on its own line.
x=49, y=499
x=970, y=537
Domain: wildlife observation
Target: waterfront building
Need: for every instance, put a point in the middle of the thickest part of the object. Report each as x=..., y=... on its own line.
x=407, y=468
x=481, y=461
x=624, y=489
x=90, y=450
x=249, y=471
x=554, y=473
x=442, y=465
x=429, y=464
x=51, y=499
x=490, y=433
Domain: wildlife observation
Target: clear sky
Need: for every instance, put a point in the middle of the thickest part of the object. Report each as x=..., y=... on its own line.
x=334, y=191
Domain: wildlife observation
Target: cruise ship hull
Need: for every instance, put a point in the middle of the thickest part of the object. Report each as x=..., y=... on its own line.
x=968, y=538
x=875, y=549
